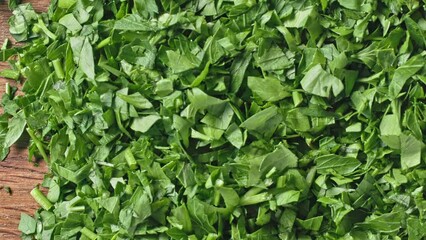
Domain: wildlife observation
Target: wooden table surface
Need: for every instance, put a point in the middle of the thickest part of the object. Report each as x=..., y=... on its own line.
x=16, y=171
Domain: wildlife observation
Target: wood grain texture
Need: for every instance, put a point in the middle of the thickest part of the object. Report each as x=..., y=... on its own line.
x=16, y=171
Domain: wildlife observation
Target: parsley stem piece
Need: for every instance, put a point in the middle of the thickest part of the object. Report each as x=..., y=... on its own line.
x=9, y=73
x=41, y=199
x=131, y=161
x=216, y=198
x=120, y=125
x=103, y=43
x=43, y=27
x=7, y=89
x=88, y=233
x=202, y=76
x=253, y=191
x=250, y=200
x=4, y=47
x=297, y=98
x=57, y=65
x=39, y=145
x=5, y=43
x=77, y=209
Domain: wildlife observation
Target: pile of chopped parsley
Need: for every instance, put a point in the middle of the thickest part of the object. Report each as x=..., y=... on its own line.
x=222, y=119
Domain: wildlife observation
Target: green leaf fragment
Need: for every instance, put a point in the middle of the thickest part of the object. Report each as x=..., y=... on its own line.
x=311, y=223
x=268, y=89
x=143, y=124
x=318, y=82
x=403, y=73
x=287, y=197
x=334, y=163
x=27, y=224
x=411, y=151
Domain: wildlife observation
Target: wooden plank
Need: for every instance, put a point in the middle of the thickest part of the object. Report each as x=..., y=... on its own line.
x=16, y=171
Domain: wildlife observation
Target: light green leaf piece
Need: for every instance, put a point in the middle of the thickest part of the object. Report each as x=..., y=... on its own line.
x=65, y=4
x=230, y=197
x=335, y=163
x=287, y=219
x=356, y=127
x=200, y=215
x=146, y=8
x=235, y=136
x=385, y=223
x=278, y=160
x=141, y=204
x=83, y=55
x=87, y=62
x=200, y=78
x=15, y=129
x=263, y=123
x=299, y=19
x=289, y=38
x=136, y=100
x=311, y=223
x=182, y=62
x=324, y=4
x=220, y=120
x=134, y=22
x=70, y=22
x=143, y=124
x=390, y=131
x=200, y=100
x=238, y=70
x=268, y=89
x=271, y=58
x=411, y=151
x=111, y=204
x=287, y=197
x=351, y=4
x=298, y=121
x=182, y=216
x=321, y=83
x=311, y=57
x=27, y=224
x=416, y=229
x=403, y=73
x=416, y=32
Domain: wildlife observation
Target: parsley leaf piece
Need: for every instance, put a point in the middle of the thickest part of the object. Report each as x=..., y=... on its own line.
x=269, y=89
x=318, y=82
x=27, y=224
